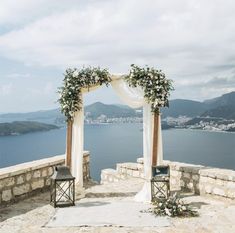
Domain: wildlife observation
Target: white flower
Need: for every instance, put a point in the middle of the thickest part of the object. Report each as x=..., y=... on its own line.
x=75, y=73
x=167, y=212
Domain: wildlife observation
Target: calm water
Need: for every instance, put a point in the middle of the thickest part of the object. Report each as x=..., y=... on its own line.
x=111, y=144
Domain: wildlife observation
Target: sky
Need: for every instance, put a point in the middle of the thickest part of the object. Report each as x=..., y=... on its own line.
x=192, y=41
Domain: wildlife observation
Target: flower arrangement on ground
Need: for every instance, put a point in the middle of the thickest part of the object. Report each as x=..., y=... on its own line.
x=173, y=207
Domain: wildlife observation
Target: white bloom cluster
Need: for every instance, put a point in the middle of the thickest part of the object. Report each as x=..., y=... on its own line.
x=154, y=83
x=74, y=81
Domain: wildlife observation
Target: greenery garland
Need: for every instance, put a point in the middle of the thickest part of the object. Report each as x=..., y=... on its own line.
x=154, y=83
x=74, y=81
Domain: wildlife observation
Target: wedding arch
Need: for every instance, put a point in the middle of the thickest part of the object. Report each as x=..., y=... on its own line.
x=142, y=87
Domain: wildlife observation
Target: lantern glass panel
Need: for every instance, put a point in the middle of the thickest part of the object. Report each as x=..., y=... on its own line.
x=62, y=187
x=160, y=183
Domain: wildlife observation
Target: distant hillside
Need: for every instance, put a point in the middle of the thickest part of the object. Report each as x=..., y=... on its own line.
x=224, y=100
x=110, y=110
x=223, y=106
x=23, y=127
x=46, y=116
x=181, y=107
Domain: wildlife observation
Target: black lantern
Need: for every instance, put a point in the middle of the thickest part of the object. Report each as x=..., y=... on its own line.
x=62, y=187
x=160, y=182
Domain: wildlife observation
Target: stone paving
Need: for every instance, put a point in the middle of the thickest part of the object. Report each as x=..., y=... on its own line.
x=31, y=215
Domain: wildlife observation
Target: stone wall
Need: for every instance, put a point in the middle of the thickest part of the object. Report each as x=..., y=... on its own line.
x=185, y=177
x=23, y=180
x=202, y=180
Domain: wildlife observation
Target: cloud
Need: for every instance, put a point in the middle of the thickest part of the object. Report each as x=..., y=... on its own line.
x=186, y=37
x=213, y=87
x=19, y=75
x=190, y=40
x=6, y=89
x=18, y=13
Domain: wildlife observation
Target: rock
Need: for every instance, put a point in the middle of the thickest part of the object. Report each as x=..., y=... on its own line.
x=19, y=190
x=28, y=176
x=37, y=174
x=218, y=191
x=6, y=195
x=7, y=182
x=20, y=179
x=37, y=184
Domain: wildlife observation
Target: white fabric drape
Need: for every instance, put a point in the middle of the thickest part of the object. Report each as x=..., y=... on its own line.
x=133, y=97
x=78, y=147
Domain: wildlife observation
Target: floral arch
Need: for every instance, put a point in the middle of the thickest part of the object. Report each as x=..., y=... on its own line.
x=142, y=87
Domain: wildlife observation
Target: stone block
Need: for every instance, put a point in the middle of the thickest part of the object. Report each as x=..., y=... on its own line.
x=119, y=167
x=37, y=174
x=219, y=182
x=28, y=176
x=44, y=172
x=186, y=175
x=21, y=189
x=20, y=179
x=136, y=173
x=210, y=180
x=218, y=191
x=140, y=166
x=129, y=172
x=208, y=188
x=37, y=184
x=230, y=194
x=190, y=186
x=123, y=171
x=6, y=195
x=48, y=182
x=7, y=182
x=230, y=185
x=195, y=177
x=175, y=173
x=173, y=181
x=50, y=171
x=182, y=183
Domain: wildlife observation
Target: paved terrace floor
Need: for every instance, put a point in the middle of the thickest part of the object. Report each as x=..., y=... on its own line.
x=32, y=215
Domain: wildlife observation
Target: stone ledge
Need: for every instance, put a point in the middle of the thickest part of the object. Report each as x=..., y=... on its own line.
x=24, y=180
x=184, y=167
x=34, y=165
x=217, y=173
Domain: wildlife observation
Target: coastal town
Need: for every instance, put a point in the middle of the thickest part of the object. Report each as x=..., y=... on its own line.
x=181, y=122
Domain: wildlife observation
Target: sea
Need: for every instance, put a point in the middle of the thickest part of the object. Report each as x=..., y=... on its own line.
x=116, y=143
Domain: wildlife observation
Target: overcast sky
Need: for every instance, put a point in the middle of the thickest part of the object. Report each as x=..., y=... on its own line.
x=192, y=41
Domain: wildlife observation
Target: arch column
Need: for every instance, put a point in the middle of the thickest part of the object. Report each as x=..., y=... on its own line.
x=69, y=143
x=156, y=140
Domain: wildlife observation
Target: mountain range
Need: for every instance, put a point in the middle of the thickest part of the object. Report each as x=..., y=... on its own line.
x=220, y=107
x=223, y=107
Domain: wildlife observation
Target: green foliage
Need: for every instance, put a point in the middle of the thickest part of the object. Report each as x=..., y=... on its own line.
x=74, y=81
x=154, y=83
x=173, y=207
